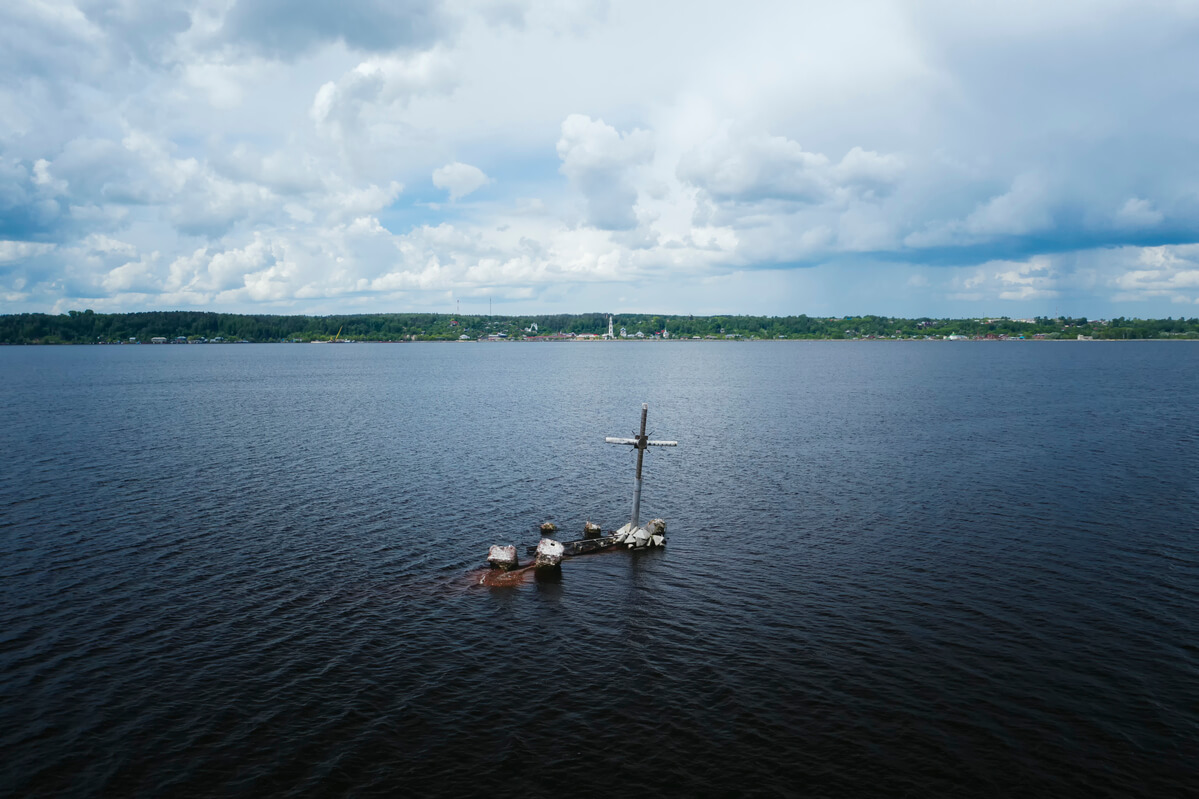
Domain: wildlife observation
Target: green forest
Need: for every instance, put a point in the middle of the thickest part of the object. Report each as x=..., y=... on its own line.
x=88, y=327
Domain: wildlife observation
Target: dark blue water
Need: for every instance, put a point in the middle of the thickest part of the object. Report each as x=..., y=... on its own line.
x=903, y=569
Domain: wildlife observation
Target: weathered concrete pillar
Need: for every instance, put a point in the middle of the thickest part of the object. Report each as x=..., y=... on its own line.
x=549, y=528
x=549, y=554
x=592, y=530
x=501, y=557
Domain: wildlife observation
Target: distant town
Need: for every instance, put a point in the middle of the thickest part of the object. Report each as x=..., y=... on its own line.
x=197, y=327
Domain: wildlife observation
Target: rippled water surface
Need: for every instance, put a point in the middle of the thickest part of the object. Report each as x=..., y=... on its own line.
x=896, y=568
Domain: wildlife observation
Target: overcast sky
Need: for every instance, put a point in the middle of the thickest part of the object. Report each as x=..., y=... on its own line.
x=828, y=158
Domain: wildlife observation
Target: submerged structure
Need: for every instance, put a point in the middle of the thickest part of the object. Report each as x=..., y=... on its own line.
x=549, y=553
x=633, y=533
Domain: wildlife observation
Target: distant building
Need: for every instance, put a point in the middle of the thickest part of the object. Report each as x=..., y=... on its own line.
x=159, y=340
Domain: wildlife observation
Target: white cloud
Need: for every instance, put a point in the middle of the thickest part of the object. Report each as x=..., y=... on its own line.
x=20, y=250
x=1023, y=209
x=1138, y=213
x=459, y=179
x=262, y=149
x=378, y=88
x=43, y=178
x=1170, y=273
x=598, y=161
x=365, y=200
x=99, y=243
x=139, y=277
x=221, y=84
x=1038, y=278
x=759, y=168
x=754, y=168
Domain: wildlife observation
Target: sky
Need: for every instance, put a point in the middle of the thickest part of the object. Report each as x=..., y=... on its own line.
x=942, y=159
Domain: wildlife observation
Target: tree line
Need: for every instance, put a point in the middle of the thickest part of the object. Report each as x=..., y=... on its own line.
x=88, y=327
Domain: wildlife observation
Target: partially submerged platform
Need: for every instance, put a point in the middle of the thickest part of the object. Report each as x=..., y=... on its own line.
x=549, y=553
x=507, y=570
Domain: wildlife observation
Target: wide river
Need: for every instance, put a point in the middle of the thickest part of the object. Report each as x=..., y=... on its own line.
x=921, y=569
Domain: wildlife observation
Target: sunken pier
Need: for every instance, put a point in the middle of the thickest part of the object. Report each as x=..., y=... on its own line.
x=549, y=552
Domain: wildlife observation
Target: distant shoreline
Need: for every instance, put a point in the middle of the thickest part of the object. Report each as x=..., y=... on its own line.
x=179, y=327
x=648, y=341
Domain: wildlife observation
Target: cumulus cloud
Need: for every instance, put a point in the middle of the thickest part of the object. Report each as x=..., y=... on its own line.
x=459, y=179
x=868, y=170
x=1024, y=208
x=1170, y=273
x=1035, y=279
x=598, y=160
x=139, y=277
x=759, y=167
x=380, y=85
x=228, y=152
x=1138, y=213
x=20, y=250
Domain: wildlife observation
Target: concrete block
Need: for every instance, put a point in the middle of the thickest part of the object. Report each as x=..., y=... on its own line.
x=502, y=557
x=549, y=554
